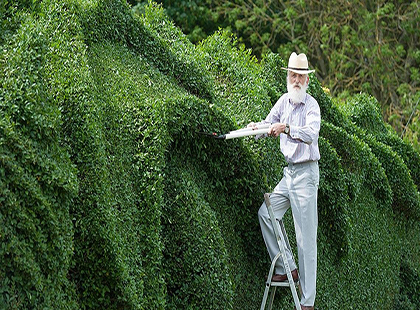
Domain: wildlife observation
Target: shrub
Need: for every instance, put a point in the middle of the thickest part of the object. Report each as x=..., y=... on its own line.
x=333, y=200
x=364, y=111
x=407, y=153
x=363, y=167
x=404, y=192
x=38, y=179
x=409, y=297
x=120, y=144
x=123, y=27
x=196, y=260
x=392, y=152
x=112, y=199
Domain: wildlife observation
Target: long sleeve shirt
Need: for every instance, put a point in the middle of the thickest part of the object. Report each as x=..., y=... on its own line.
x=304, y=119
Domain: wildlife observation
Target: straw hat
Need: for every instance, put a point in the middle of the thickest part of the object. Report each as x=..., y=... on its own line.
x=298, y=64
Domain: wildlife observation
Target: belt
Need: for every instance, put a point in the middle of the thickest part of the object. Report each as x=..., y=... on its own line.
x=302, y=163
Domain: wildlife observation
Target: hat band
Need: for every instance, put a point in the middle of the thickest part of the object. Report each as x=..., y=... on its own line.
x=292, y=68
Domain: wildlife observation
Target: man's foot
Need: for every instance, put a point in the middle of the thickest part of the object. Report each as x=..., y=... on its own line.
x=283, y=277
x=307, y=307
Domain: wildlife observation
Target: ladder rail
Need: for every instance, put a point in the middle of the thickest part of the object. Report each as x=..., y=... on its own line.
x=286, y=240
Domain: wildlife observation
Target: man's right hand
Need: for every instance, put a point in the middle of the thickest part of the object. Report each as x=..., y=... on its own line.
x=276, y=129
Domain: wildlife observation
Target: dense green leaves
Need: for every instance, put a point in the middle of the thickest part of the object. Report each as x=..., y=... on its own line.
x=38, y=181
x=111, y=199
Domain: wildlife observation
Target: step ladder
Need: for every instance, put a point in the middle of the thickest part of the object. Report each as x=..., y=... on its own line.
x=282, y=242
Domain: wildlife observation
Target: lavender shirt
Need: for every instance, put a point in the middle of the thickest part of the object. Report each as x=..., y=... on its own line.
x=304, y=119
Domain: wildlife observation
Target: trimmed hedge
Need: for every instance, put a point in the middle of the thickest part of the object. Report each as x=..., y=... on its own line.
x=404, y=192
x=363, y=167
x=38, y=180
x=333, y=200
x=364, y=111
x=196, y=258
x=395, y=155
x=122, y=26
x=111, y=198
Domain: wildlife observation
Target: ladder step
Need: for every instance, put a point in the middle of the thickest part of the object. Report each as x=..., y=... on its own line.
x=286, y=284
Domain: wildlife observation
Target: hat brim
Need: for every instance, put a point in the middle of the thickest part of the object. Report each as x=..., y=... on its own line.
x=299, y=71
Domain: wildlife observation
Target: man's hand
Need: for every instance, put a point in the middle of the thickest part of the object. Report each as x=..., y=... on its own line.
x=252, y=125
x=276, y=129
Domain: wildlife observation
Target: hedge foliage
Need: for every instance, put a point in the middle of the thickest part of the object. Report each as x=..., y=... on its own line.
x=112, y=199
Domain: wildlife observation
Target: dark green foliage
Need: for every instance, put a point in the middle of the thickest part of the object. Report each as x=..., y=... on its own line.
x=405, y=197
x=408, y=154
x=364, y=111
x=395, y=155
x=195, y=254
x=119, y=256
x=123, y=27
x=409, y=297
x=195, y=18
x=38, y=181
x=369, y=263
x=333, y=200
x=363, y=167
x=110, y=199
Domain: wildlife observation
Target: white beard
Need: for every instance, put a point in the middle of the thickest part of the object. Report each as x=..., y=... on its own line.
x=297, y=95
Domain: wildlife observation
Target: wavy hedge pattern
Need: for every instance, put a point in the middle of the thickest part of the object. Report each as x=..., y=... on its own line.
x=112, y=200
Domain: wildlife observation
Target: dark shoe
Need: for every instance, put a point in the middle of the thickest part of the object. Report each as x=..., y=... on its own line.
x=283, y=277
x=307, y=307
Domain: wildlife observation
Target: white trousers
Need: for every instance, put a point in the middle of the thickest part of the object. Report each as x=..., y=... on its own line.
x=297, y=189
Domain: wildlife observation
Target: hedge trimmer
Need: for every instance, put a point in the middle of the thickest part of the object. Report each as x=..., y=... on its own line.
x=243, y=132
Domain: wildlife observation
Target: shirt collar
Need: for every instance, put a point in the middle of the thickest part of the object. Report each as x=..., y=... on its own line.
x=302, y=102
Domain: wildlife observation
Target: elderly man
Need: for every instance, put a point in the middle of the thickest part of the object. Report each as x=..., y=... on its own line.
x=296, y=118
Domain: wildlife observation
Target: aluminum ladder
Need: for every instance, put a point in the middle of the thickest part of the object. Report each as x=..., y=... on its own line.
x=280, y=232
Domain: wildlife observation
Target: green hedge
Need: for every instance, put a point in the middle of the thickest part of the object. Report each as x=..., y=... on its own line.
x=364, y=169
x=196, y=258
x=404, y=192
x=111, y=199
x=398, y=158
x=120, y=209
x=406, y=151
x=364, y=111
x=38, y=180
x=333, y=200
x=122, y=26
